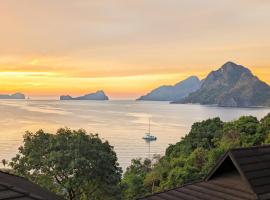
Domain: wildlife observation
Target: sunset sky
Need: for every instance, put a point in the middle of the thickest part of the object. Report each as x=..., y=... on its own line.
x=126, y=47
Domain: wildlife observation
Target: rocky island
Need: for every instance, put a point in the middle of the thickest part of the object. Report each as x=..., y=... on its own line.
x=231, y=86
x=99, y=96
x=173, y=92
x=12, y=96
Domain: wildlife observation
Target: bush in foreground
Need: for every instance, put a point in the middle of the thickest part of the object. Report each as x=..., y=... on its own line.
x=72, y=163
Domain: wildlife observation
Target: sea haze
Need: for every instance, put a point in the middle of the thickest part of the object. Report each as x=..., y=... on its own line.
x=122, y=123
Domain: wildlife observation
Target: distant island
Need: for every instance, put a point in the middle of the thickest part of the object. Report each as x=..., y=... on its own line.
x=12, y=96
x=99, y=95
x=173, y=92
x=231, y=86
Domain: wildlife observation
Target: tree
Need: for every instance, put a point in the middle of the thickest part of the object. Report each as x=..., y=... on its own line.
x=265, y=128
x=71, y=163
x=4, y=162
x=244, y=131
x=133, y=181
x=203, y=134
x=196, y=154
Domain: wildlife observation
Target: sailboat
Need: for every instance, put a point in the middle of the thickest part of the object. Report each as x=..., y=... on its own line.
x=148, y=136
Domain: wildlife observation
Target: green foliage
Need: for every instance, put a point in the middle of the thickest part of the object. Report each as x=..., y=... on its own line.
x=243, y=132
x=133, y=181
x=204, y=134
x=265, y=128
x=71, y=163
x=193, y=157
x=79, y=166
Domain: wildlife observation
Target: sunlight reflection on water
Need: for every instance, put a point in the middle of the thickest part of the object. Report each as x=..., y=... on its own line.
x=122, y=123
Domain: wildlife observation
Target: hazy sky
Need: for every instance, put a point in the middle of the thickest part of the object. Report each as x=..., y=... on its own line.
x=126, y=47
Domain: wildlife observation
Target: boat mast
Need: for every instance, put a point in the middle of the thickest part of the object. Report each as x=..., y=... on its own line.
x=149, y=130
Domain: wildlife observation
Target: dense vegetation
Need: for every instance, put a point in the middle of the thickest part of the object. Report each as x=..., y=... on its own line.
x=79, y=166
x=74, y=164
x=193, y=157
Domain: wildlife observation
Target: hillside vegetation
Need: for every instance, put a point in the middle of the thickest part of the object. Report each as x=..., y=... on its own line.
x=80, y=166
x=192, y=158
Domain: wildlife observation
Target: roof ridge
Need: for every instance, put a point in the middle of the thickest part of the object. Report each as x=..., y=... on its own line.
x=216, y=166
x=251, y=147
x=15, y=175
x=230, y=162
x=229, y=154
x=22, y=189
x=26, y=193
x=164, y=191
x=255, y=167
x=217, y=191
x=227, y=187
x=240, y=171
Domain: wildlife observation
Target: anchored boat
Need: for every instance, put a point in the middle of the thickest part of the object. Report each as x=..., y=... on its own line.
x=148, y=136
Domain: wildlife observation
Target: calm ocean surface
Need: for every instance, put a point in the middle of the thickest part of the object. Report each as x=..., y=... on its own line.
x=122, y=123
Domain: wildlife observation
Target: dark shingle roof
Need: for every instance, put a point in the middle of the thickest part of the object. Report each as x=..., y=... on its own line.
x=254, y=163
x=17, y=188
x=241, y=174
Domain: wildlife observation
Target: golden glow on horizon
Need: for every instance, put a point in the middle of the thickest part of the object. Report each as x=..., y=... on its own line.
x=13, y=74
x=126, y=48
x=55, y=84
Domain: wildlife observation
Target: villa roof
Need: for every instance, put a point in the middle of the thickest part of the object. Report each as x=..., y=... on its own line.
x=242, y=173
x=17, y=188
